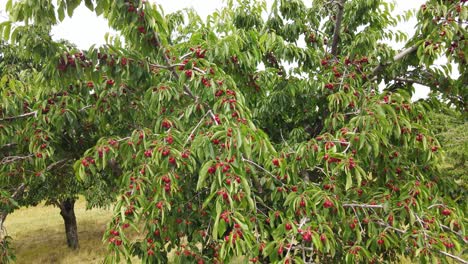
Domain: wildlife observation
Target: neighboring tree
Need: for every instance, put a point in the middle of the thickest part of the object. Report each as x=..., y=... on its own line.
x=217, y=159
x=36, y=155
x=451, y=129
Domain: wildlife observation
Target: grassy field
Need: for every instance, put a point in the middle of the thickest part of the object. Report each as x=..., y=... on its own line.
x=39, y=237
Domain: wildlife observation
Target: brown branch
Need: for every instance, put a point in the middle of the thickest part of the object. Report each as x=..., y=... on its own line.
x=336, y=33
x=396, y=58
x=261, y=168
x=453, y=256
x=364, y=205
x=302, y=223
x=459, y=234
x=9, y=145
x=196, y=127
x=382, y=223
x=34, y=113
x=11, y=159
x=56, y=164
x=408, y=80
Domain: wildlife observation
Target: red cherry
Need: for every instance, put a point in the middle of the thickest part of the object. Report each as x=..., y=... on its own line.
x=211, y=170
x=302, y=203
x=276, y=162
x=327, y=204
x=446, y=212
x=142, y=29
x=307, y=236
x=172, y=160
x=323, y=237
x=148, y=153
x=169, y=140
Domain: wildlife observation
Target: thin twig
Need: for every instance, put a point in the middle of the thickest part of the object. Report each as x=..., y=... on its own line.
x=196, y=127
x=387, y=226
x=359, y=221
x=459, y=234
x=302, y=223
x=57, y=163
x=364, y=205
x=263, y=169
x=397, y=57
x=85, y=107
x=11, y=159
x=34, y=113
x=9, y=145
x=434, y=205
x=426, y=236
x=457, y=258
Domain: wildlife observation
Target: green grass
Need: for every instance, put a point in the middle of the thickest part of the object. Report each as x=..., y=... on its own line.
x=39, y=237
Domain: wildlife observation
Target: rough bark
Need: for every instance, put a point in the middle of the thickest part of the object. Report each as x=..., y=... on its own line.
x=336, y=32
x=67, y=211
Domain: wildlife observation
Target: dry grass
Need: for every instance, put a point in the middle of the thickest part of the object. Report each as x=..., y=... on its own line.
x=39, y=236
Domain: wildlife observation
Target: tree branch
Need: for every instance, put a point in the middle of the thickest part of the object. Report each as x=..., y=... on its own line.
x=56, y=164
x=9, y=145
x=34, y=113
x=11, y=159
x=408, y=80
x=363, y=205
x=396, y=58
x=336, y=33
x=261, y=168
x=196, y=127
x=302, y=223
x=453, y=256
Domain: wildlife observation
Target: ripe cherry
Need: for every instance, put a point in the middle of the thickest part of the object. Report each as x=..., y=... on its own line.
x=276, y=162
x=446, y=212
x=327, y=204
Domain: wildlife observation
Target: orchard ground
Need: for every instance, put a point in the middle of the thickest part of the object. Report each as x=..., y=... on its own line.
x=38, y=235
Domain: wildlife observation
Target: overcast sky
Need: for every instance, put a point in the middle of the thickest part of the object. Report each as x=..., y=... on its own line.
x=85, y=28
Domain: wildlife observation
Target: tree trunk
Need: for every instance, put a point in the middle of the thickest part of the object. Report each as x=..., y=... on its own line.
x=67, y=210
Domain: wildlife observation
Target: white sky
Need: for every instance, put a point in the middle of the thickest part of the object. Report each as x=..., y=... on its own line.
x=85, y=28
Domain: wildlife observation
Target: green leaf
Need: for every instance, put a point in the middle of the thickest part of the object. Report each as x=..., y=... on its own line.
x=89, y=5
x=203, y=174
x=6, y=30
x=349, y=180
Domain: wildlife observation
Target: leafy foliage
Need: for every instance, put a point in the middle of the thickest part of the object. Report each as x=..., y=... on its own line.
x=216, y=158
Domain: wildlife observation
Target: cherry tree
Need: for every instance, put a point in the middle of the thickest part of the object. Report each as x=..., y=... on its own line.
x=306, y=160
